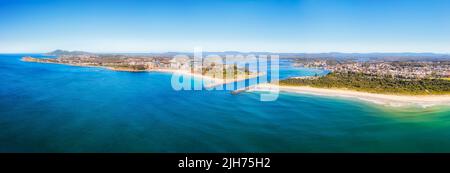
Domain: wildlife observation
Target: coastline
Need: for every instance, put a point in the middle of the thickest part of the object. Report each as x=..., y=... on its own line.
x=209, y=82
x=380, y=99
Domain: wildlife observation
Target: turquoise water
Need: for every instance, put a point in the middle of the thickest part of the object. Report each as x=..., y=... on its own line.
x=57, y=108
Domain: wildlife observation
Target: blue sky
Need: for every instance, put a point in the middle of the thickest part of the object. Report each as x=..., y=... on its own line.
x=240, y=25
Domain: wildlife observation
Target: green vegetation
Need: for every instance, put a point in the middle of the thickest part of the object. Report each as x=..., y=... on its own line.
x=374, y=84
x=129, y=67
x=230, y=72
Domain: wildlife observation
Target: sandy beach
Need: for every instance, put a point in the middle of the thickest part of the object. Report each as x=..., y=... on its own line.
x=209, y=82
x=381, y=99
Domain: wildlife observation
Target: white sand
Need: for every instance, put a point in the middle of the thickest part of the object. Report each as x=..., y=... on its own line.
x=382, y=99
x=208, y=81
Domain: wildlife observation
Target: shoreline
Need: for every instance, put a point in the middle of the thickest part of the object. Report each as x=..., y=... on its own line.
x=379, y=99
x=208, y=81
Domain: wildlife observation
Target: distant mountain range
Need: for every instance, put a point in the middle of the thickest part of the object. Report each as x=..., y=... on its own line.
x=334, y=55
x=65, y=52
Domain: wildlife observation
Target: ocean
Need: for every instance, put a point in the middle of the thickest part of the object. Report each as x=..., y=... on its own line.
x=59, y=108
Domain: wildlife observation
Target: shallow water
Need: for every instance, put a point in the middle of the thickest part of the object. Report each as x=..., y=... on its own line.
x=58, y=108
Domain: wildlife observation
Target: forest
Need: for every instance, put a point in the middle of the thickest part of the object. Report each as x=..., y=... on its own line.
x=374, y=84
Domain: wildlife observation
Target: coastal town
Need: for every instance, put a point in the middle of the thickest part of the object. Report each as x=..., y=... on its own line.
x=212, y=70
x=394, y=69
x=114, y=62
x=408, y=69
x=377, y=75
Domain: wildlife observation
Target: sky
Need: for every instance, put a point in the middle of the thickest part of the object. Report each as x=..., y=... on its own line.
x=312, y=26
